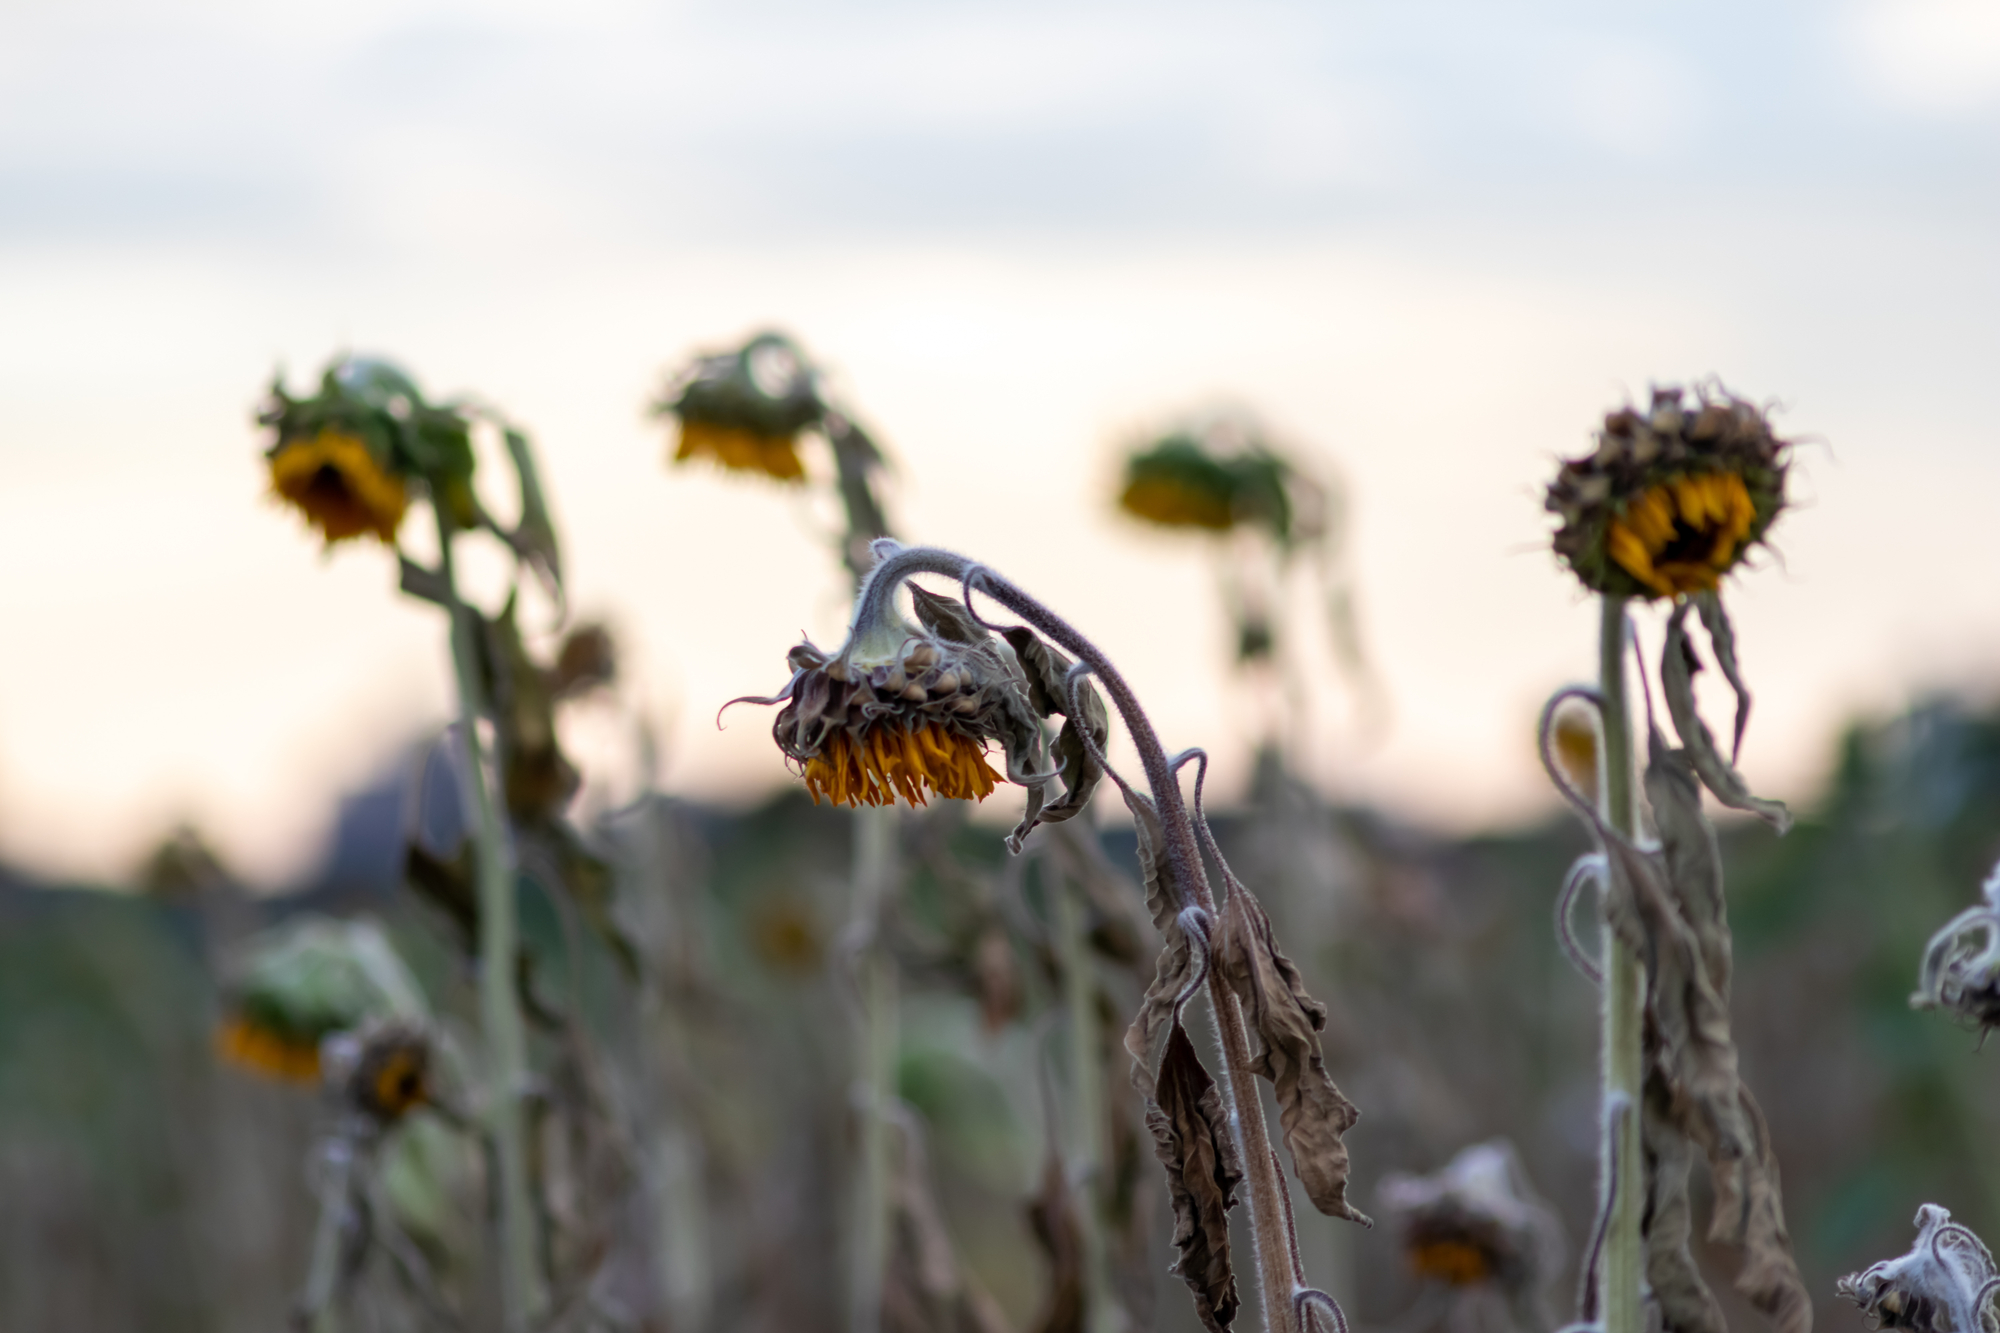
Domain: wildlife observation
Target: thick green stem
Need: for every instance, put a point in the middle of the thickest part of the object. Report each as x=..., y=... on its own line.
x=1086, y=1074
x=499, y=1007
x=875, y=978
x=1624, y=1263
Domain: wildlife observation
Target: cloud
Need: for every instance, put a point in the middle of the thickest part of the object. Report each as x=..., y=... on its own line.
x=1939, y=57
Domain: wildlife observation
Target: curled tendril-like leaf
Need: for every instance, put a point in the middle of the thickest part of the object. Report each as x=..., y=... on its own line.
x=1085, y=729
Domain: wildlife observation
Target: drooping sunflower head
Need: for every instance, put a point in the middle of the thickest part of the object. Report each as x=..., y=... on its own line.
x=301, y=982
x=348, y=457
x=386, y=1070
x=1477, y=1221
x=1945, y=1284
x=1672, y=498
x=1217, y=477
x=745, y=409
x=907, y=711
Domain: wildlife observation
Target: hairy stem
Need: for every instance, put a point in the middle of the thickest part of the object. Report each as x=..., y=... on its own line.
x=875, y=979
x=1624, y=984
x=499, y=1006
x=1270, y=1201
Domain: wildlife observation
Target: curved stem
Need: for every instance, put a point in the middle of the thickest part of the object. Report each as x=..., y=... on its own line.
x=1623, y=1191
x=1270, y=1200
x=499, y=1008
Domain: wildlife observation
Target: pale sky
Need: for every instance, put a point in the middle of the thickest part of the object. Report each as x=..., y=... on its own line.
x=1431, y=242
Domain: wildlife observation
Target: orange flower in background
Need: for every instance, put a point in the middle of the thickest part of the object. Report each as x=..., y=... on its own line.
x=335, y=480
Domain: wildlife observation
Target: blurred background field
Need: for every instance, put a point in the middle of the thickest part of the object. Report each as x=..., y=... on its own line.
x=150, y=1186
x=1429, y=242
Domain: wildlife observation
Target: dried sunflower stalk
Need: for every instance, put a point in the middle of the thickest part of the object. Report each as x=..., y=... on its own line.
x=1210, y=1135
x=1668, y=503
x=350, y=458
x=1945, y=1284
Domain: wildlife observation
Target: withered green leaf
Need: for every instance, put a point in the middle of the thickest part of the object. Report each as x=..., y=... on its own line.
x=1046, y=669
x=1286, y=1021
x=1192, y=1140
x=1677, y=664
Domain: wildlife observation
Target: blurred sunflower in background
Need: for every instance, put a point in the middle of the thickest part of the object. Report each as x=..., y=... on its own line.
x=299, y=983
x=348, y=457
x=745, y=408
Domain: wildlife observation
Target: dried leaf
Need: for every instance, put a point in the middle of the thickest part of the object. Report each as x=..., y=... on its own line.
x=946, y=617
x=1046, y=670
x=1192, y=1140
x=1286, y=1021
x=1685, y=1303
x=1722, y=638
x=1178, y=964
x=1695, y=1056
x=1677, y=664
x=1749, y=1215
x=534, y=537
x=1052, y=1216
x=1689, y=960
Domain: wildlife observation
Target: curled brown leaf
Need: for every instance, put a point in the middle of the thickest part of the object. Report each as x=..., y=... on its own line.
x=1192, y=1140
x=1285, y=1021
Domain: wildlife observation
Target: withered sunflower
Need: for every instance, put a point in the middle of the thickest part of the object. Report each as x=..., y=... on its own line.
x=900, y=715
x=340, y=485
x=1672, y=498
x=909, y=711
x=745, y=409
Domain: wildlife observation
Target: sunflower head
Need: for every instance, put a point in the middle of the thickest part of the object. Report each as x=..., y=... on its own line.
x=1945, y=1284
x=1672, y=498
x=910, y=710
x=388, y=1071
x=1475, y=1222
x=745, y=409
x=299, y=983
x=1213, y=479
x=348, y=457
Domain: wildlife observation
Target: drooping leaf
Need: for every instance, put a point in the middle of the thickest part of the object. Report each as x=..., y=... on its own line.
x=1749, y=1216
x=1683, y=1300
x=1677, y=663
x=1075, y=761
x=1178, y=964
x=1286, y=1022
x=1192, y=1140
